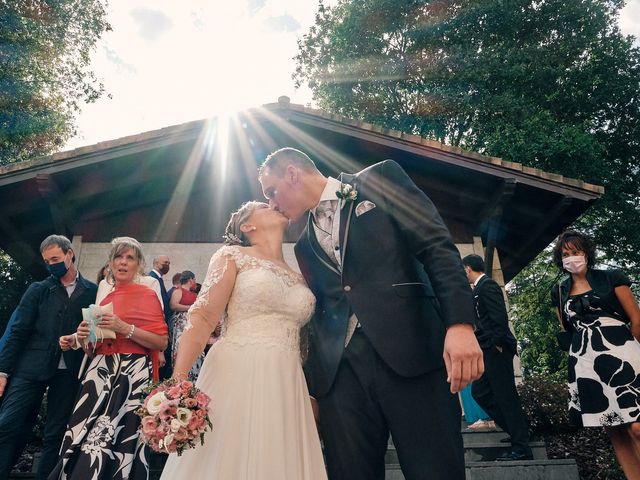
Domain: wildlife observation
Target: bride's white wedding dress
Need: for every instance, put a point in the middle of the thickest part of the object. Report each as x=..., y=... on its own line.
x=263, y=426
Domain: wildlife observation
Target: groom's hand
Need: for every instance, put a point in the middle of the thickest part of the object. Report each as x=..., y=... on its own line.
x=462, y=356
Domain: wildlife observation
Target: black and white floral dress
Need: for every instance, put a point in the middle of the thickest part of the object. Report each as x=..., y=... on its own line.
x=102, y=437
x=604, y=365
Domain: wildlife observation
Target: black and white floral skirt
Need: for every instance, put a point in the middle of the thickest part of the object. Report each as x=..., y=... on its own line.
x=604, y=367
x=101, y=441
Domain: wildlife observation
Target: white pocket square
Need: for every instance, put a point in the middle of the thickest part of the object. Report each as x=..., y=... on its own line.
x=364, y=207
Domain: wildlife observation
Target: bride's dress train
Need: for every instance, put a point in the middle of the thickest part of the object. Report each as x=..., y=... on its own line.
x=263, y=426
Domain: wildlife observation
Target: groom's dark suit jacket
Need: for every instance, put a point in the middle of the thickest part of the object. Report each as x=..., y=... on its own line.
x=401, y=275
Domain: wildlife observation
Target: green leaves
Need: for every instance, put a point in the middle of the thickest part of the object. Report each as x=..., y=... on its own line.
x=45, y=77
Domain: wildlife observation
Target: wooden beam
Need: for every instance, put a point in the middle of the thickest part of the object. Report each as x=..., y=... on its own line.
x=495, y=206
x=555, y=213
x=61, y=211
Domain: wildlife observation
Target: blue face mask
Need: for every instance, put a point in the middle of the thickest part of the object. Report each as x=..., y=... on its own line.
x=58, y=270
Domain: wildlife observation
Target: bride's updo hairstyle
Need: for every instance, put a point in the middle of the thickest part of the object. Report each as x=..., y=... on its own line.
x=232, y=234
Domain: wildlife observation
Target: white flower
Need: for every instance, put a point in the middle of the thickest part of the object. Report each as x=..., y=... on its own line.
x=167, y=441
x=346, y=194
x=154, y=403
x=183, y=416
x=175, y=425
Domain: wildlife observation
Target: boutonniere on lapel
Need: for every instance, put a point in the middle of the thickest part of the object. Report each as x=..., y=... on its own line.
x=346, y=194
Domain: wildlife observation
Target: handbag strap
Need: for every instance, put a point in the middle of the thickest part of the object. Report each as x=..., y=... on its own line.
x=561, y=307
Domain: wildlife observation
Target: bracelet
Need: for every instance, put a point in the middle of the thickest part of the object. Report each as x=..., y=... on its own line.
x=130, y=334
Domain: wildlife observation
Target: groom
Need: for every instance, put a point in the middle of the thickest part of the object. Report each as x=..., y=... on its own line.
x=393, y=310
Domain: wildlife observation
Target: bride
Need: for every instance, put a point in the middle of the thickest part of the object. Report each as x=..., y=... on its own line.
x=263, y=425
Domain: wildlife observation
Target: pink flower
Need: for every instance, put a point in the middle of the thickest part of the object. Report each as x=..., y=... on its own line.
x=202, y=399
x=148, y=426
x=181, y=435
x=185, y=386
x=174, y=392
x=194, y=423
x=190, y=402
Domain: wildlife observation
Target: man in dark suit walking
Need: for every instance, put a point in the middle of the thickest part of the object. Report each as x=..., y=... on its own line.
x=161, y=266
x=32, y=362
x=496, y=390
x=393, y=309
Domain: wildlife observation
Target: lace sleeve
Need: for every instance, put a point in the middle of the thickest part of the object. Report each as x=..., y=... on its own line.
x=208, y=309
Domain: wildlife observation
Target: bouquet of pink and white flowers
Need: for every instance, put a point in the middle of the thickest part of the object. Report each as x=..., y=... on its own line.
x=174, y=415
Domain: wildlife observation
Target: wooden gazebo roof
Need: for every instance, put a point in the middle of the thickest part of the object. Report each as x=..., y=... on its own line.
x=174, y=184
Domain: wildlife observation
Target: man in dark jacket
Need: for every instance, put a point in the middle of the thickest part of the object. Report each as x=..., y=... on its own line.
x=393, y=309
x=32, y=362
x=161, y=266
x=496, y=390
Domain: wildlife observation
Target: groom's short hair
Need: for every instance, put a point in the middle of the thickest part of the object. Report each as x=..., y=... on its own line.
x=277, y=161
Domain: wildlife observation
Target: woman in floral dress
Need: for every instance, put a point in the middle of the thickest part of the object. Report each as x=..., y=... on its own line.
x=599, y=308
x=102, y=437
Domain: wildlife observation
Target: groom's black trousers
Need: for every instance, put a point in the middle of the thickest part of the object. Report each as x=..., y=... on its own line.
x=368, y=400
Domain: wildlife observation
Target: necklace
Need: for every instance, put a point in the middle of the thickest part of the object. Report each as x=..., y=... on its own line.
x=315, y=222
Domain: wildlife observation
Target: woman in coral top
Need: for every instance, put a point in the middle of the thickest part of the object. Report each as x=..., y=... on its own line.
x=102, y=440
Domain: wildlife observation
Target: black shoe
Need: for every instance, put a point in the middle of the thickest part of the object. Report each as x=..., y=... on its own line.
x=514, y=456
x=508, y=439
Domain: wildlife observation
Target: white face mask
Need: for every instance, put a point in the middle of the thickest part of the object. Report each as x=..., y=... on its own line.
x=575, y=264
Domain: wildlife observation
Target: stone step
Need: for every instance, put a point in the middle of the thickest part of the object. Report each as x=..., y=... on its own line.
x=474, y=436
x=489, y=451
x=486, y=451
x=525, y=470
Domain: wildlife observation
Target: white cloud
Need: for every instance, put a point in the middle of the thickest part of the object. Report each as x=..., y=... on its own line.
x=630, y=19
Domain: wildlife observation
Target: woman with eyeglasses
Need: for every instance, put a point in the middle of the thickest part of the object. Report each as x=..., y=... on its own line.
x=599, y=309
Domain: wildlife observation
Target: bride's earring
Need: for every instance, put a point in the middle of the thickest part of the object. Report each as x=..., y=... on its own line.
x=253, y=229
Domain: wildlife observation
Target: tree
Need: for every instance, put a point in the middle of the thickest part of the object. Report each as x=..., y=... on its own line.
x=45, y=49
x=552, y=84
x=535, y=321
x=14, y=281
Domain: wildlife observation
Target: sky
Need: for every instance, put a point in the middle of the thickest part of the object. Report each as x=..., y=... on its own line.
x=168, y=62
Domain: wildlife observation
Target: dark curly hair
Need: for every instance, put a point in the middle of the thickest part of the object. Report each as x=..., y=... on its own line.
x=577, y=240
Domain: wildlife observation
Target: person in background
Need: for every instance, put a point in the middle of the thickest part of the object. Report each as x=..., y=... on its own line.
x=496, y=390
x=599, y=308
x=175, y=282
x=31, y=361
x=474, y=415
x=161, y=266
x=181, y=299
x=101, y=441
x=102, y=273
